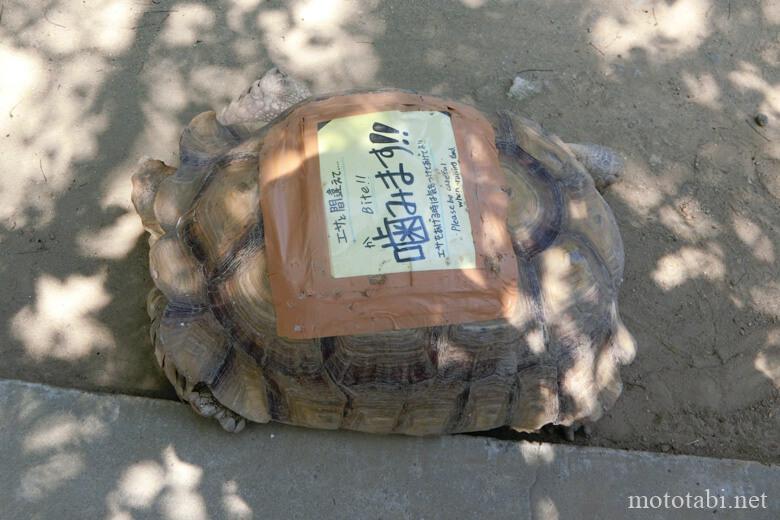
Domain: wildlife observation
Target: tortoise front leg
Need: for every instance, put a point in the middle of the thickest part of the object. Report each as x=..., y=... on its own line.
x=605, y=165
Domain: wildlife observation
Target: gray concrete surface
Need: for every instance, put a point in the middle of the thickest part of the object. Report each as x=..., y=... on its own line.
x=71, y=454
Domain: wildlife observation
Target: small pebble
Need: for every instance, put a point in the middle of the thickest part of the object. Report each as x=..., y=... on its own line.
x=523, y=88
x=761, y=119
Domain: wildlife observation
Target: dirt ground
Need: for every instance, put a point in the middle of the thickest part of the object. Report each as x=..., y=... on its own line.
x=87, y=88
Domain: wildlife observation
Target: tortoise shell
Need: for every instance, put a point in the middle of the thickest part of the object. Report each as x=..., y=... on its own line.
x=214, y=325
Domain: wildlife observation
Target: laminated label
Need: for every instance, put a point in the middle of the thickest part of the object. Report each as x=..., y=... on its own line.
x=393, y=194
x=384, y=211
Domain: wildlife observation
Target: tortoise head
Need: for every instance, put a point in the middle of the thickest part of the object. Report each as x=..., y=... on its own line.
x=279, y=86
x=265, y=99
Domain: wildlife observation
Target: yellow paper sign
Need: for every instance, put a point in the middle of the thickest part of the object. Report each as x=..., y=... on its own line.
x=393, y=194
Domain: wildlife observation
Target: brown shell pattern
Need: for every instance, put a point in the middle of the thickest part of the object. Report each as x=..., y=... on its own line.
x=555, y=360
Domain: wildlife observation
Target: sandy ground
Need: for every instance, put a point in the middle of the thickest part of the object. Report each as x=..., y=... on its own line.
x=89, y=87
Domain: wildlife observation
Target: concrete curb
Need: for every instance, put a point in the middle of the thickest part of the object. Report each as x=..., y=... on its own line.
x=72, y=454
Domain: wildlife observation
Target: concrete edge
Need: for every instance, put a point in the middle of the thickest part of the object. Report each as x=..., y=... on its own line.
x=71, y=452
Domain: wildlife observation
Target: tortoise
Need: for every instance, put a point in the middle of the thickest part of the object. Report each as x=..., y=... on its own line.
x=214, y=317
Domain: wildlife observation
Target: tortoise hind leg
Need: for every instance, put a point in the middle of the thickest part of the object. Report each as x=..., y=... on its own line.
x=604, y=164
x=191, y=349
x=204, y=403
